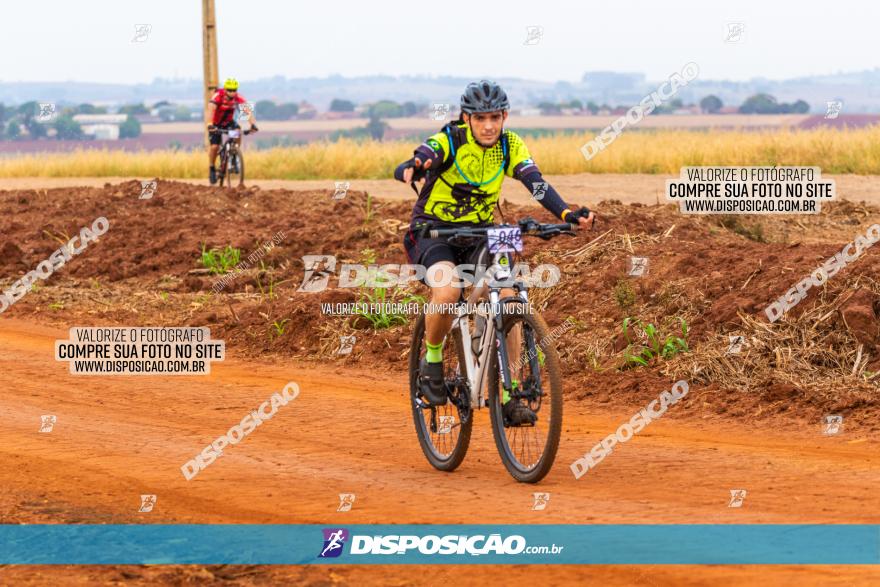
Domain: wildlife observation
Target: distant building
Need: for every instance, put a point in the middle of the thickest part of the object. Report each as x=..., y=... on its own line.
x=101, y=126
x=687, y=110
x=338, y=115
x=147, y=118
x=306, y=111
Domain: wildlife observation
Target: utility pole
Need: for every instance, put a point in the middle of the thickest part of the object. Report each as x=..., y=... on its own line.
x=209, y=55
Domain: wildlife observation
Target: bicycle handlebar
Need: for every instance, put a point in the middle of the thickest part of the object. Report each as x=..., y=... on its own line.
x=528, y=227
x=225, y=131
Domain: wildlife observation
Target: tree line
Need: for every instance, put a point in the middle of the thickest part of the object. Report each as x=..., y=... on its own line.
x=757, y=104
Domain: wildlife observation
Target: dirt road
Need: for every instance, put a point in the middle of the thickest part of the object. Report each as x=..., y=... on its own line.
x=351, y=432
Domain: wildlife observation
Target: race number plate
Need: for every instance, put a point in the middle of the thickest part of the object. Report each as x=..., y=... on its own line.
x=233, y=134
x=505, y=240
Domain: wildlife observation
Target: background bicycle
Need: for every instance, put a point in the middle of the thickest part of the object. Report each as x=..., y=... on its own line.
x=231, y=170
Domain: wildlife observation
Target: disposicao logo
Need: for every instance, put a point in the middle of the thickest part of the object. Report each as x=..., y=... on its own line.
x=334, y=540
x=448, y=545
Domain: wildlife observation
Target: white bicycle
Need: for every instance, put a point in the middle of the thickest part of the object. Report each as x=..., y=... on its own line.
x=478, y=371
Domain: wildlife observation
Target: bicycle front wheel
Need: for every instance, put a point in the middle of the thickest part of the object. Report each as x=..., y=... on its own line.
x=224, y=161
x=527, y=450
x=235, y=169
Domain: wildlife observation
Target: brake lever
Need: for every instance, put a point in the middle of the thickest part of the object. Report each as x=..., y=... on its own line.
x=528, y=225
x=547, y=234
x=570, y=231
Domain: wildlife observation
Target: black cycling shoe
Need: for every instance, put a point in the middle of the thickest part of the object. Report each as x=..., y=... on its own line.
x=431, y=383
x=212, y=175
x=517, y=414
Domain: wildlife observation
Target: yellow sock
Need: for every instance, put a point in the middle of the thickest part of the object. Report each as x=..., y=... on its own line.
x=505, y=396
x=435, y=352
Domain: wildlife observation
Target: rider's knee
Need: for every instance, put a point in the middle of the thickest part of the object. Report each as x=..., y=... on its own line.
x=445, y=295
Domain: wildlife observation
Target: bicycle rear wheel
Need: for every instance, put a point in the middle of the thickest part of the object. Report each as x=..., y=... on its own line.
x=528, y=451
x=444, y=431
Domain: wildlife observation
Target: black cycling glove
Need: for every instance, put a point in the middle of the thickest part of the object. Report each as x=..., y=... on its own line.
x=420, y=172
x=572, y=217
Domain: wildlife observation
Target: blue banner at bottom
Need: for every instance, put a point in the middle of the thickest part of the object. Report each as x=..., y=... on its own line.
x=672, y=544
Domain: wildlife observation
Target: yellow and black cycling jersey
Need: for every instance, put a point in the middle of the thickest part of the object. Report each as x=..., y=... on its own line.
x=464, y=182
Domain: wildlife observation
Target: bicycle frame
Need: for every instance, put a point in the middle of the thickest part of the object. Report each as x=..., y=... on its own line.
x=476, y=367
x=230, y=146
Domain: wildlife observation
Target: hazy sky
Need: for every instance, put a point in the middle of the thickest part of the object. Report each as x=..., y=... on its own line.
x=55, y=40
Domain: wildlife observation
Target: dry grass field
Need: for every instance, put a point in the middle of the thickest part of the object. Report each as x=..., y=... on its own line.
x=853, y=151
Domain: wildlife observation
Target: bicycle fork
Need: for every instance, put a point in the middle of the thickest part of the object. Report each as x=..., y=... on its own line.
x=500, y=340
x=476, y=365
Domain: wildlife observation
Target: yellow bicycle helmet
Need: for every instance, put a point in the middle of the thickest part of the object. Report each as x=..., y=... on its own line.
x=230, y=84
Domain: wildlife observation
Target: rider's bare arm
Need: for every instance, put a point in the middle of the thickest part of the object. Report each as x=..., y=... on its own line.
x=212, y=108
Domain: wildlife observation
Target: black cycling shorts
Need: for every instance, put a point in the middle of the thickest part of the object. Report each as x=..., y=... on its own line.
x=428, y=251
x=217, y=137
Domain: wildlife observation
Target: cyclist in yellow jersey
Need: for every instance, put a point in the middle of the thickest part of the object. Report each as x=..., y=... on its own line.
x=464, y=166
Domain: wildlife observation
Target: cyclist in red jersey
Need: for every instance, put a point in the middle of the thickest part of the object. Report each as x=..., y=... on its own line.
x=222, y=108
